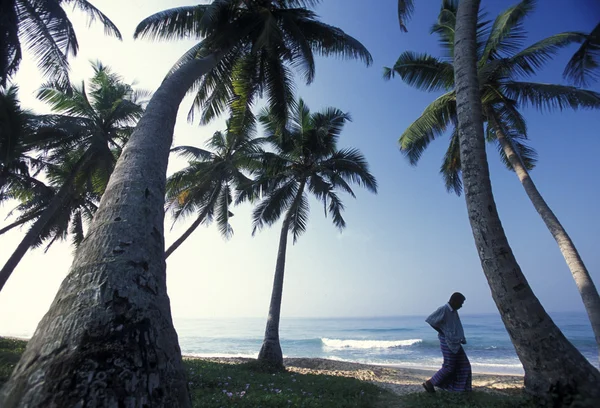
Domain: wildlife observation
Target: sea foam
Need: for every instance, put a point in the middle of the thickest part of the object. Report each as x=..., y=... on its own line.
x=367, y=344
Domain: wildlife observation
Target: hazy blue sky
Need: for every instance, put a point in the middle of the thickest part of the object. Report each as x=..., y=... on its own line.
x=406, y=249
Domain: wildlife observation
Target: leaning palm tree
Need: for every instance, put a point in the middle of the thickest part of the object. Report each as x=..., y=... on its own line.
x=584, y=66
x=502, y=67
x=305, y=160
x=553, y=366
x=96, y=123
x=206, y=186
x=126, y=239
x=48, y=33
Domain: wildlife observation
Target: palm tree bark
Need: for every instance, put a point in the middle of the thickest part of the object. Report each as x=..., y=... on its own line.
x=553, y=366
x=108, y=339
x=54, y=207
x=270, y=350
x=583, y=280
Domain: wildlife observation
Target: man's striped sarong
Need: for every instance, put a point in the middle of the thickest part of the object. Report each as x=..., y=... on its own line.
x=455, y=374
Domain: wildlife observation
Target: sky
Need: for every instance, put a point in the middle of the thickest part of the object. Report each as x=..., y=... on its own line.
x=406, y=249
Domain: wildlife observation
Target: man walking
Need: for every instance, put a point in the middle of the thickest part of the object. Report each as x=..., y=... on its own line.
x=455, y=374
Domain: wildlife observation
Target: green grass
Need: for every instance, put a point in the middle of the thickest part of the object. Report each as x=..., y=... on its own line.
x=216, y=385
x=475, y=399
x=10, y=352
x=250, y=385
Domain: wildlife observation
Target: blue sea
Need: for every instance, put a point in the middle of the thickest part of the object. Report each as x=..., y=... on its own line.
x=405, y=341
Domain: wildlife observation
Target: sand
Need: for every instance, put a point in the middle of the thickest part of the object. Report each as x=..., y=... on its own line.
x=396, y=379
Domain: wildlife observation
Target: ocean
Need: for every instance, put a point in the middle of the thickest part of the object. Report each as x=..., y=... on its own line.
x=405, y=341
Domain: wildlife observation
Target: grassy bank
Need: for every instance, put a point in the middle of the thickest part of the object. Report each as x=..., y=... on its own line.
x=214, y=385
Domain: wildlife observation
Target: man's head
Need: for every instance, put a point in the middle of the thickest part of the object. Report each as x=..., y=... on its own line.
x=456, y=300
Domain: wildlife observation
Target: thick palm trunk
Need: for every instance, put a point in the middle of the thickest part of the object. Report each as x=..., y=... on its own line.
x=583, y=280
x=108, y=339
x=552, y=364
x=270, y=350
x=56, y=205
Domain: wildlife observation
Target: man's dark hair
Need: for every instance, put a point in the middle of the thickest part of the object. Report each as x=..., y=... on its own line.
x=457, y=297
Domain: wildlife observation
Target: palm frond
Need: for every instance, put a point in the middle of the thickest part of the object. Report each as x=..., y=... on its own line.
x=193, y=153
x=174, y=24
x=298, y=216
x=405, y=12
x=50, y=37
x=534, y=57
x=94, y=14
x=451, y=167
x=268, y=211
x=549, y=97
x=584, y=66
x=432, y=123
x=507, y=33
x=423, y=72
x=351, y=165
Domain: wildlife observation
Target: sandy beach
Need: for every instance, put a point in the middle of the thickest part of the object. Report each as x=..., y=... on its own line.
x=399, y=380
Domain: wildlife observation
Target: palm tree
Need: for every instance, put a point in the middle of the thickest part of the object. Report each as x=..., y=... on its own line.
x=584, y=65
x=553, y=366
x=254, y=61
x=97, y=126
x=125, y=239
x=305, y=159
x=19, y=137
x=48, y=32
x=501, y=64
x=77, y=209
x=205, y=186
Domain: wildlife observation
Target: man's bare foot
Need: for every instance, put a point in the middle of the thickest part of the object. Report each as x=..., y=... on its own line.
x=428, y=386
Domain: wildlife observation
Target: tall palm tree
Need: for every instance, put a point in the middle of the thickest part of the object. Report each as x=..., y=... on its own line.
x=48, y=33
x=501, y=65
x=584, y=66
x=553, y=366
x=97, y=126
x=126, y=240
x=206, y=186
x=305, y=160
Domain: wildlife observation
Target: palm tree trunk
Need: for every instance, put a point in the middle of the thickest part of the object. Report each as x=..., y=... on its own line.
x=270, y=351
x=583, y=280
x=20, y=222
x=185, y=235
x=56, y=205
x=552, y=364
x=108, y=338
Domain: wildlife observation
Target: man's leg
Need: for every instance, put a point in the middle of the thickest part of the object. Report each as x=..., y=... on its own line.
x=448, y=367
x=464, y=376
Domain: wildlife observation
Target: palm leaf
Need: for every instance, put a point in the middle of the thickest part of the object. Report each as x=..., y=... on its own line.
x=432, y=123
x=584, y=65
x=94, y=14
x=549, y=97
x=405, y=11
x=507, y=33
x=423, y=72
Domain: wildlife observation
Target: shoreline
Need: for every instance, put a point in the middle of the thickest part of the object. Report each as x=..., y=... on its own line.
x=245, y=358
x=399, y=380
